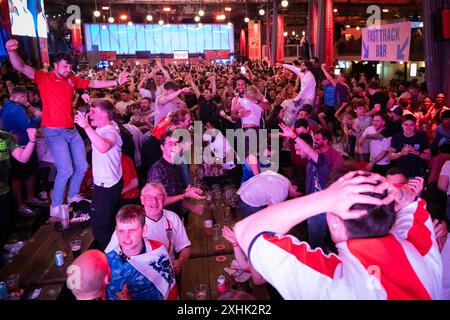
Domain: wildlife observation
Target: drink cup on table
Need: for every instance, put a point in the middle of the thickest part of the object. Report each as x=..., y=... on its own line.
x=201, y=291
x=75, y=246
x=208, y=224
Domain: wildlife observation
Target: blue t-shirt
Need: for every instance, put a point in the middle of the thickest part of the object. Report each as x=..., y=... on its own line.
x=15, y=120
x=328, y=95
x=317, y=174
x=124, y=273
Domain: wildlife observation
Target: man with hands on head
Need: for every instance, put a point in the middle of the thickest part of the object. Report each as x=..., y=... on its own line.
x=386, y=247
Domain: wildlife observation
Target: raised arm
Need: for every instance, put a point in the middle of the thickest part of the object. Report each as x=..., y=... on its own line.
x=307, y=149
x=23, y=154
x=213, y=85
x=164, y=71
x=16, y=61
x=328, y=75
x=98, y=84
x=193, y=86
x=101, y=144
x=293, y=69
x=171, y=96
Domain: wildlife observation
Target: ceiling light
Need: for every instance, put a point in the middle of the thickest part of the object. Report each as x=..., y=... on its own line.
x=166, y=9
x=149, y=17
x=123, y=17
x=227, y=9
x=197, y=18
x=161, y=22
x=261, y=12
x=200, y=25
x=348, y=26
x=284, y=3
x=293, y=33
x=358, y=28
x=97, y=13
x=201, y=13
x=111, y=20
x=246, y=19
x=230, y=24
x=105, y=8
x=385, y=10
x=285, y=33
x=77, y=21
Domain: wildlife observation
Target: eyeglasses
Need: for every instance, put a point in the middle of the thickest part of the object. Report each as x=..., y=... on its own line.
x=153, y=198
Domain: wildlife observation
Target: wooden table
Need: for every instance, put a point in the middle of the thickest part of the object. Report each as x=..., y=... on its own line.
x=206, y=270
x=35, y=262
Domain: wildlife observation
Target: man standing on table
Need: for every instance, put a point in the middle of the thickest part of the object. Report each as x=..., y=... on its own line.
x=67, y=147
x=106, y=167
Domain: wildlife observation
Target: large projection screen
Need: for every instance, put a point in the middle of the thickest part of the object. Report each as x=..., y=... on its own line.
x=27, y=18
x=165, y=39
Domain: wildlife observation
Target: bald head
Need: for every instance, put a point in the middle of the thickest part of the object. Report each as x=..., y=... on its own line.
x=88, y=275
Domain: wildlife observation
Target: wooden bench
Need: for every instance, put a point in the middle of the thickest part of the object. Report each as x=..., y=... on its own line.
x=35, y=262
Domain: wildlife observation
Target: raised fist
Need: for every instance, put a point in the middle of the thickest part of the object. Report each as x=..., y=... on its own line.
x=12, y=45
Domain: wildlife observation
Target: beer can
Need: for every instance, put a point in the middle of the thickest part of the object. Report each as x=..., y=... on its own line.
x=59, y=259
x=3, y=290
x=221, y=286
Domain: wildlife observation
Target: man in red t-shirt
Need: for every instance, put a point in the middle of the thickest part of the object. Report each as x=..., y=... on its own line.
x=57, y=89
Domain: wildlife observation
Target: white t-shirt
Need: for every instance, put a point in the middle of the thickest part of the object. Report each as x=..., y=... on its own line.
x=307, y=82
x=158, y=230
x=107, y=167
x=378, y=146
x=445, y=171
x=121, y=106
x=264, y=189
x=255, y=117
x=220, y=147
x=162, y=110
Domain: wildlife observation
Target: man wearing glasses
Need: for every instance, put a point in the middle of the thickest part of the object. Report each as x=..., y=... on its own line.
x=170, y=175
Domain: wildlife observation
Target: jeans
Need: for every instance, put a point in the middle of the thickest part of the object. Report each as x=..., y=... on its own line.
x=68, y=150
x=317, y=230
x=247, y=210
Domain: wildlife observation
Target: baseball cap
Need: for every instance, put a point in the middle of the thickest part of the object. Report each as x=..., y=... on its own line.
x=397, y=110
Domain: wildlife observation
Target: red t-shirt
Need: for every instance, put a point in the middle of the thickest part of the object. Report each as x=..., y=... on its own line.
x=161, y=127
x=57, y=95
x=128, y=174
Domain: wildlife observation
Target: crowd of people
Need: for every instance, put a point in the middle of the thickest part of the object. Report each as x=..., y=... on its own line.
x=109, y=137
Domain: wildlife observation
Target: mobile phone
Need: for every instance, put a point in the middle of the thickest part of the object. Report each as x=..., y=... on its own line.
x=83, y=110
x=243, y=70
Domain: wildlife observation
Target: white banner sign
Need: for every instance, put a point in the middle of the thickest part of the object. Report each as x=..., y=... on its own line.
x=389, y=42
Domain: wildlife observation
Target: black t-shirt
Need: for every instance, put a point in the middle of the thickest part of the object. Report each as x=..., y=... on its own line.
x=411, y=164
x=190, y=99
x=392, y=128
x=379, y=98
x=209, y=112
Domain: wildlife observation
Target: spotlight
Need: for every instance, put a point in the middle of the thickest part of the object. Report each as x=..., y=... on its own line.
x=227, y=9
x=284, y=3
x=335, y=10
x=293, y=33
x=385, y=10
x=123, y=17
x=105, y=8
x=111, y=20
x=166, y=9
x=77, y=21
x=246, y=19
x=285, y=34
x=149, y=17
x=197, y=18
x=261, y=12
x=96, y=13
x=201, y=13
